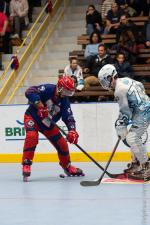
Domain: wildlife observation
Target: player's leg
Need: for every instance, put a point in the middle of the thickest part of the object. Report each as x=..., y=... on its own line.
x=133, y=138
x=60, y=143
x=31, y=140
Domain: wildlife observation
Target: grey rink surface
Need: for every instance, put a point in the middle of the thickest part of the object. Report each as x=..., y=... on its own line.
x=49, y=200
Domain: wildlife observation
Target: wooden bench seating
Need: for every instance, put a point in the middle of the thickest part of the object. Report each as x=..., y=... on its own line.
x=99, y=91
x=106, y=39
x=139, y=70
x=143, y=55
x=96, y=91
x=110, y=38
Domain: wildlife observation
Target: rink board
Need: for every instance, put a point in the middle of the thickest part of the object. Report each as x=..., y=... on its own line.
x=95, y=125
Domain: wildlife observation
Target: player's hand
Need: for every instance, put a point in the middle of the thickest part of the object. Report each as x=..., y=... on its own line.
x=43, y=112
x=72, y=137
x=121, y=129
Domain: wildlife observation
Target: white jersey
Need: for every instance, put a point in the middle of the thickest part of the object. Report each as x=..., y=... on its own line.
x=77, y=73
x=131, y=97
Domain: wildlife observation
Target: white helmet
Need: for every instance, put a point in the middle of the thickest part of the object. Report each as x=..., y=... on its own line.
x=107, y=71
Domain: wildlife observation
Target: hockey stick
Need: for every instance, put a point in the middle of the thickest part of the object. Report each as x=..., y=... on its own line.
x=97, y=182
x=82, y=150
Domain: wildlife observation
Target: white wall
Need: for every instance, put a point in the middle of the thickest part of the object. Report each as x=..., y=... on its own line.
x=95, y=124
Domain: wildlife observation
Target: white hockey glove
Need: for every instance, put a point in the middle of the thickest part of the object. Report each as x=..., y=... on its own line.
x=80, y=87
x=121, y=126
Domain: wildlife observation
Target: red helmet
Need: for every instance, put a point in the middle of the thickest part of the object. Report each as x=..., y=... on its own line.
x=66, y=85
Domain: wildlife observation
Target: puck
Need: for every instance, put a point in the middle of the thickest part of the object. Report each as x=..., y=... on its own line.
x=62, y=176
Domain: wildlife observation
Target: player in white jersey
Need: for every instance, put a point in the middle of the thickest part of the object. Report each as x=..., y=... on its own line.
x=134, y=105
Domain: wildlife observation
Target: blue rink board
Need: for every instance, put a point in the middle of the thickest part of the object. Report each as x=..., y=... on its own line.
x=50, y=200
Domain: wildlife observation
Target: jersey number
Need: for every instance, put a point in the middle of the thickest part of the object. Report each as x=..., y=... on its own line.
x=133, y=90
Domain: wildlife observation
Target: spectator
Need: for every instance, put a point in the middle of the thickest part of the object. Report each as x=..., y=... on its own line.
x=147, y=33
x=106, y=6
x=4, y=36
x=129, y=11
x=142, y=7
x=128, y=46
x=126, y=24
x=75, y=71
x=93, y=20
x=123, y=66
x=19, y=16
x=112, y=19
x=94, y=66
x=92, y=48
x=4, y=7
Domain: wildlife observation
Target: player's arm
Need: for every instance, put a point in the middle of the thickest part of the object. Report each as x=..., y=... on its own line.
x=33, y=94
x=68, y=119
x=125, y=114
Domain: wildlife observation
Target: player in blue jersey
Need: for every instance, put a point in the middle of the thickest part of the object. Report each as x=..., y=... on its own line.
x=134, y=105
x=50, y=101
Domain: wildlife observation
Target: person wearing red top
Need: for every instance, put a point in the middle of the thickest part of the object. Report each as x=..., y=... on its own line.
x=4, y=35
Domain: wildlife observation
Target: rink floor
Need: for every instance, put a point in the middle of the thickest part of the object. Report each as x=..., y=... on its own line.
x=48, y=199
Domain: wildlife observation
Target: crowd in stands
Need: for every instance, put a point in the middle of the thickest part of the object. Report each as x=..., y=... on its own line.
x=114, y=17
x=15, y=15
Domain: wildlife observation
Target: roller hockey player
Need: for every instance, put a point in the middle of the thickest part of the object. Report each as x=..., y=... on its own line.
x=50, y=101
x=134, y=105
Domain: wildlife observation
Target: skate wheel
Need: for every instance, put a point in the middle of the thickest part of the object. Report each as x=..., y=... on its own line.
x=83, y=174
x=25, y=179
x=62, y=176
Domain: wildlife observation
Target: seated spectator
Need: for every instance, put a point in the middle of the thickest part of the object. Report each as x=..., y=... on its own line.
x=113, y=19
x=95, y=64
x=126, y=24
x=92, y=48
x=93, y=20
x=123, y=66
x=128, y=11
x=147, y=33
x=128, y=46
x=106, y=6
x=75, y=71
x=19, y=16
x=142, y=7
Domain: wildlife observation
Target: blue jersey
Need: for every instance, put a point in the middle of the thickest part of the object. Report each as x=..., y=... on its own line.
x=58, y=107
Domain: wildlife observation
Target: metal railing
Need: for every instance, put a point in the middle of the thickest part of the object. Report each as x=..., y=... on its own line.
x=29, y=49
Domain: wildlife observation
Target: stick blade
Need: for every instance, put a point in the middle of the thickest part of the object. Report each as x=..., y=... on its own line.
x=87, y=183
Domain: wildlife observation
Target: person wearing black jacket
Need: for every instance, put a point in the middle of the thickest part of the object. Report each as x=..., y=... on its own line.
x=95, y=64
x=123, y=67
x=93, y=20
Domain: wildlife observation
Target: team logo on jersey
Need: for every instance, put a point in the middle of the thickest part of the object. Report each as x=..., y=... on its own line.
x=42, y=88
x=30, y=123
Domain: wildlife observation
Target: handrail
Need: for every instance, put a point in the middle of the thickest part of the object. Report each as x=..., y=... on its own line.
x=33, y=59
x=50, y=30
x=14, y=74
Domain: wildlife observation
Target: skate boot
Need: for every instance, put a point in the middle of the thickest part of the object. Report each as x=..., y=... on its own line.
x=26, y=169
x=132, y=167
x=142, y=174
x=72, y=171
